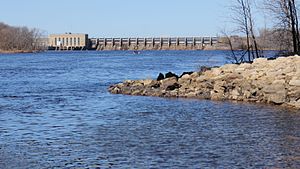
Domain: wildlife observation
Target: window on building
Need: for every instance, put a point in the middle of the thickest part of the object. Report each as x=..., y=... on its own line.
x=70, y=41
x=63, y=41
x=78, y=42
x=74, y=41
x=55, y=41
x=67, y=41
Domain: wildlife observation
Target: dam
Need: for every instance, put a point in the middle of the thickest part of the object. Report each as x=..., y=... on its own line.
x=158, y=43
x=70, y=41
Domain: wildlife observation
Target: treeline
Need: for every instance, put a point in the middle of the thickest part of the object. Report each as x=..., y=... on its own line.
x=19, y=39
x=266, y=39
x=282, y=36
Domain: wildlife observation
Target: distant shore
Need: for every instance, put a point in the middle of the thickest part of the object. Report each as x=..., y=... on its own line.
x=17, y=51
x=265, y=81
x=35, y=51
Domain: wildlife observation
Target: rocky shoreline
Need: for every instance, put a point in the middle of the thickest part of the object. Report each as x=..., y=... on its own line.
x=265, y=81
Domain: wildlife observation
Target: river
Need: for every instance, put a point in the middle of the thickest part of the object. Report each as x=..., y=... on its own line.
x=56, y=112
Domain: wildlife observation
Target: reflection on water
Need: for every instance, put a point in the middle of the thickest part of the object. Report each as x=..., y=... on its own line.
x=55, y=112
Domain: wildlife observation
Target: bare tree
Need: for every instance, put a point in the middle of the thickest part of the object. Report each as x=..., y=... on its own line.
x=286, y=20
x=244, y=20
x=255, y=50
x=18, y=38
x=237, y=47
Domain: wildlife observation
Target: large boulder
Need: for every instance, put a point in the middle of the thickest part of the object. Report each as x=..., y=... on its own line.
x=173, y=87
x=295, y=83
x=295, y=104
x=160, y=77
x=114, y=90
x=185, y=73
x=170, y=74
x=277, y=98
x=168, y=82
x=276, y=92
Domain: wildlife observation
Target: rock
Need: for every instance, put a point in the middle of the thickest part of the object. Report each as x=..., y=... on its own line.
x=128, y=81
x=186, y=77
x=277, y=98
x=240, y=69
x=115, y=90
x=214, y=95
x=170, y=74
x=160, y=77
x=137, y=84
x=295, y=104
x=136, y=92
x=295, y=83
x=260, y=61
x=274, y=73
x=273, y=88
x=232, y=76
x=235, y=94
x=229, y=68
x=219, y=86
x=201, y=79
x=147, y=82
x=279, y=82
x=155, y=86
x=244, y=66
x=173, y=87
x=168, y=82
x=294, y=93
x=247, y=94
x=174, y=93
x=191, y=95
x=203, y=94
x=185, y=73
x=185, y=80
x=204, y=68
x=276, y=92
x=195, y=74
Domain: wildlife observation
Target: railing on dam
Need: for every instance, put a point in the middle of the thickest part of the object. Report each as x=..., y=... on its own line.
x=161, y=43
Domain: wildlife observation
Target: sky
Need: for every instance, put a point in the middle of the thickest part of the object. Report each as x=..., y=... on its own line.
x=120, y=18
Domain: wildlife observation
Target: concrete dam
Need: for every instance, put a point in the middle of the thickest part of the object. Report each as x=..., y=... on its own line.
x=161, y=43
x=70, y=41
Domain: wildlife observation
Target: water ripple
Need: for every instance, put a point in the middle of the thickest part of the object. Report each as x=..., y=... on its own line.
x=55, y=112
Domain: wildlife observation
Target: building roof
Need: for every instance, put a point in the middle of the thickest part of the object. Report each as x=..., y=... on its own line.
x=66, y=34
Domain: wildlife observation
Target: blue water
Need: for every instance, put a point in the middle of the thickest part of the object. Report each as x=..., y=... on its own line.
x=55, y=112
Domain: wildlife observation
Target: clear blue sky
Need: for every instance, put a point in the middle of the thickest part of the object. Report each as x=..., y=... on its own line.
x=119, y=18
